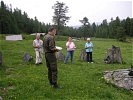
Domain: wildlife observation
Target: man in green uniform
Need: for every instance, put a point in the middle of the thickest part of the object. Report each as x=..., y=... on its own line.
x=51, y=61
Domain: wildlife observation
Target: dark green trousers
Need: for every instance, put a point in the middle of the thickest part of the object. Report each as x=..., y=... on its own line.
x=51, y=63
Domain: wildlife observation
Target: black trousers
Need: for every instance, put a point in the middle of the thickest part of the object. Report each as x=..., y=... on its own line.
x=51, y=63
x=89, y=56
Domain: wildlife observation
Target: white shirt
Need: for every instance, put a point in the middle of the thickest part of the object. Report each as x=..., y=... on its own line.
x=39, y=43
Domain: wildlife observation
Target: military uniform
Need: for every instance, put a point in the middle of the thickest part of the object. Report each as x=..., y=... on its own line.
x=51, y=61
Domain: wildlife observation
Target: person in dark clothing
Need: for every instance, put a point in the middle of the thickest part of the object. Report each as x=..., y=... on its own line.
x=51, y=61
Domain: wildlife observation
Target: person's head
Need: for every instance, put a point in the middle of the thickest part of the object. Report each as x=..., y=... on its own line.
x=38, y=36
x=88, y=39
x=70, y=39
x=52, y=31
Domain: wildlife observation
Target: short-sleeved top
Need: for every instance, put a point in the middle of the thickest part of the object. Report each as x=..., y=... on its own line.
x=70, y=46
x=49, y=43
x=89, y=47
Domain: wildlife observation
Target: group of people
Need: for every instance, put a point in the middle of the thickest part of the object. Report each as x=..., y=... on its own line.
x=49, y=47
x=71, y=47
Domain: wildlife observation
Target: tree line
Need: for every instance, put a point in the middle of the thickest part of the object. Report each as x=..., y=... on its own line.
x=117, y=29
x=16, y=22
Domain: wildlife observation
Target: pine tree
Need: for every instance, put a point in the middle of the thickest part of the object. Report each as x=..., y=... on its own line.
x=60, y=19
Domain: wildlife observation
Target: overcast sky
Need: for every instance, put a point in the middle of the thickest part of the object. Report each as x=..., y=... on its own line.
x=94, y=10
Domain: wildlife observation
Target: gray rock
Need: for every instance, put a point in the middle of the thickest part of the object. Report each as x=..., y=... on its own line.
x=0, y=98
x=119, y=78
x=83, y=55
x=27, y=57
x=60, y=56
x=113, y=55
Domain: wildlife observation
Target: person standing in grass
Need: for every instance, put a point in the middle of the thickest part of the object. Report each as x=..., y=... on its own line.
x=89, y=49
x=51, y=61
x=70, y=50
x=38, y=44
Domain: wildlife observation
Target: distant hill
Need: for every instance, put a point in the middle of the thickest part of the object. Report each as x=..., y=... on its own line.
x=77, y=26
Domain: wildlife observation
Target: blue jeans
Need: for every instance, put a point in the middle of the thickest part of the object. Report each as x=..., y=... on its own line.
x=69, y=54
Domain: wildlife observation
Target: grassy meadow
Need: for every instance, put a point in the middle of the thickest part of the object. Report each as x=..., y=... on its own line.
x=79, y=81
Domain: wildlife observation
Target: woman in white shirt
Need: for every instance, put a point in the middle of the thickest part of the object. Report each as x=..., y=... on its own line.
x=70, y=50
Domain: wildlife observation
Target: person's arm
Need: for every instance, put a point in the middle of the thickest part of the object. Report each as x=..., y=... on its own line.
x=86, y=46
x=52, y=45
x=74, y=45
x=41, y=45
x=92, y=45
x=67, y=44
x=34, y=44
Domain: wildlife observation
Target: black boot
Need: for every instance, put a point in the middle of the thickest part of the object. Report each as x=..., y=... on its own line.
x=56, y=86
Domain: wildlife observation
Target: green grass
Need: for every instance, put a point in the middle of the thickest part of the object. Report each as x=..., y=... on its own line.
x=79, y=81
